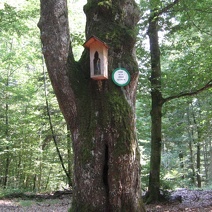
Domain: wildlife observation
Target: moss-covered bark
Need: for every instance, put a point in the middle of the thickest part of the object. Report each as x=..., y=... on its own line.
x=102, y=118
x=107, y=176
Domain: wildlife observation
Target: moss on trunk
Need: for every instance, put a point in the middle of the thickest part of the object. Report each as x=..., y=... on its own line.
x=100, y=114
x=107, y=174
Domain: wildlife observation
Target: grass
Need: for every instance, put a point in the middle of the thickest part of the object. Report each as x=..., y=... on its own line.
x=11, y=193
x=26, y=203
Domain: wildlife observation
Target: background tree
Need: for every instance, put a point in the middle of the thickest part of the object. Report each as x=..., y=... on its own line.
x=162, y=17
x=100, y=114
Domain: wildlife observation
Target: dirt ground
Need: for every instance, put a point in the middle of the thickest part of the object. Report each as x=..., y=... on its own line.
x=181, y=200
x=185, y=200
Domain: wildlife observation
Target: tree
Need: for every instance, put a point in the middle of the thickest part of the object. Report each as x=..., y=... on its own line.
x=100, y=114
x=157, y=10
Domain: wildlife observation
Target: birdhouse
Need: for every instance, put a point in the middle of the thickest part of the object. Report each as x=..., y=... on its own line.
x=98, y=58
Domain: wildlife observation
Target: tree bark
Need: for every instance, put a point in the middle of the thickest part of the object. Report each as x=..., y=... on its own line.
x=7, y=159
x=198, y=153
x=153, y=194
x=191, y=142
x=210, y=168
x=70, y=157
x=100, y=114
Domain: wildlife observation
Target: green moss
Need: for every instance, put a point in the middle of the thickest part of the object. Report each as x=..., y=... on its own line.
x=90, y=5
x=121, y=119
x=87, y=127
x=112, y=106
x=119, y=106
x=106, y=3
x=80, y=80
x=104, y=107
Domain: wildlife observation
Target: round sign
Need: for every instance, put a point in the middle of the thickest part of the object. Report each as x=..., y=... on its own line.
x=121, y=77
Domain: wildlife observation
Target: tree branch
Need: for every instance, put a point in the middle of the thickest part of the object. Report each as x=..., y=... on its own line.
x=205, y=87
x=168, y=7
x=164, y=10
x=55, y=38
x=54, y=29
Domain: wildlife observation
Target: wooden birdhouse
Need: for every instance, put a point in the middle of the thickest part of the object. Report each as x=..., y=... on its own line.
x=98, y=58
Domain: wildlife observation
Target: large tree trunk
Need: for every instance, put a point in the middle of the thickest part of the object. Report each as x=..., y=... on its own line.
x=99, y=113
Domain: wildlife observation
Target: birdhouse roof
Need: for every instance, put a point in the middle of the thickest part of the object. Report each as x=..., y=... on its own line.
x=93, y=39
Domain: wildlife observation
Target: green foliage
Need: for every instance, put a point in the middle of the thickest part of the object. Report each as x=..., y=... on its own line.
x=28, y=158
x=12, y=192
x=185, y=45
x=77, y=27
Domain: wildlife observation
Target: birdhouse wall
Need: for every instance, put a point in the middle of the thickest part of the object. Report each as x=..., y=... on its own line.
x=101, y=56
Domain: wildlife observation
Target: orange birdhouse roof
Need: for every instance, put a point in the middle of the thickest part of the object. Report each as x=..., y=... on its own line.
x=92, y=40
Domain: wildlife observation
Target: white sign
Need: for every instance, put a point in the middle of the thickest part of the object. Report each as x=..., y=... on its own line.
x=121, y=77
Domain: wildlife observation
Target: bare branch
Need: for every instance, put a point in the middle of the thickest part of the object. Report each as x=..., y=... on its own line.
x=205, y=87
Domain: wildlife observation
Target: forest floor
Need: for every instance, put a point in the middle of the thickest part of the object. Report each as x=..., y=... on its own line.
x=181, y=200
x=185, y=200
x=59, y=201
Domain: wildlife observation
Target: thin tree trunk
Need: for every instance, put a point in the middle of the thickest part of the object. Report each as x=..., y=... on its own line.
x=192, y=161
x=206, y=155
x=156, y=113
x=210, y=168
x=6, y=172
x=34, y=182
x=7, y=160
x=198, y=155
x=52, y=128
x=191, y=142
x=199, y=180
x=181, y=158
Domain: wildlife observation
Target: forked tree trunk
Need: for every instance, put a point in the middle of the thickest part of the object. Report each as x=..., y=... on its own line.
x=100, y=114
